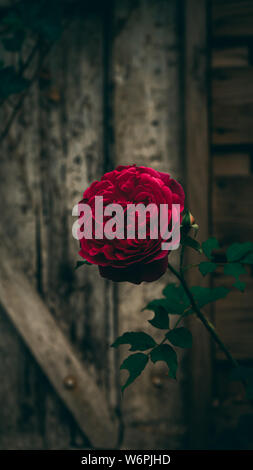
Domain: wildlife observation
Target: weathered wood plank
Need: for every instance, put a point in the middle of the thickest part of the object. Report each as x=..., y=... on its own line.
x=232, y=18
x=72, y=157
x=54, y=354
x=54, y=151
x=234, y=319
x=231, y=164
x=232, y=207
x=232, y=412
x=46, y=425
x=232, y=106
x=197, y=184
x=145, y=109
x=223, y=57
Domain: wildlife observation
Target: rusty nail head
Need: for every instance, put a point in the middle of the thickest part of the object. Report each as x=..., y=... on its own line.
x=69, y=382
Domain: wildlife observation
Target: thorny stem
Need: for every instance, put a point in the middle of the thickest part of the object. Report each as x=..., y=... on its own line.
x=202, y=317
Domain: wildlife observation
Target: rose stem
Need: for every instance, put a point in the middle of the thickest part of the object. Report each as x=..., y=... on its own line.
x=202, y=318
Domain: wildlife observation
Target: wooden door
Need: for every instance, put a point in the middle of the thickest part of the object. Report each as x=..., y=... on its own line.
x=107, y=94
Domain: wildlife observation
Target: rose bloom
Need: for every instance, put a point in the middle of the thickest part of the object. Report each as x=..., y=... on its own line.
x=133, y=260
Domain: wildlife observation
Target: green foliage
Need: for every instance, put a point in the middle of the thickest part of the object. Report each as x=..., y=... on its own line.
x=11, y=82
x=14, y=42
x=235, y=269
x=191, y=242
x=139, y=341
x=176, y=298
x=175, y=302
x=248, y=259
x=209, y=246
x=205, y=295
x=156, y=304
x=161, y=319
x=237, y=251
x=206, y=267
x=240, y=285
x=180, y=337
x=81, y=263
x=165, y=353
x=135, y=364
x=43, y=18
x=43, y=21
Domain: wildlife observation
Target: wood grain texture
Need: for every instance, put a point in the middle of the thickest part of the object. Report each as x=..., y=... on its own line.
x=54, y=354
x=232, y=18
x=232, y=208
x=145, y=103
x=54, y=150
x=234, y=318
x=232, y=106
x=198, y=187
x=62, y=140
x=223, y=57
x=231, y=164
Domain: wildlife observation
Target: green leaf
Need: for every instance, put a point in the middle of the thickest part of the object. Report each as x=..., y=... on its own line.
x=11, y=82
x=240, y=285
x=156, y=304
x=44, y=18
x=191, y=242
x=161, y=319
x=206, y=267
x=235, y=269
x=81, y=263
x=181, y=337
x=166, y=353
x=14, y=43
x=209, y=245
x=172, y=306
x=13, y=21
x=176, y=298
x=139, y=341
x=248, y=259
x=49, y=27
x=237, y=251
x=135, y=364
x=205, y=295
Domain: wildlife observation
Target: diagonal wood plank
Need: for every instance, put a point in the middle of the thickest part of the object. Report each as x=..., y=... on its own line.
x=54, y=354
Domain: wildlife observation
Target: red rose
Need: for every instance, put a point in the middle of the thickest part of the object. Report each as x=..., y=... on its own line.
x=134, y=260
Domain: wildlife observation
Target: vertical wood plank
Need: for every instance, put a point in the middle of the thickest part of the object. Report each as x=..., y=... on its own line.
x=145, y=74
x=54, y=151
x=197, y=175
x=74, y=150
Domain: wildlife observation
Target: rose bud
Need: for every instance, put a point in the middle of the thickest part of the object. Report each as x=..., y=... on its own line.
x=192, y=219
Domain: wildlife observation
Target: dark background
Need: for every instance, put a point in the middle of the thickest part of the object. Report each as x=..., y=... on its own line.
x=85, y=86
